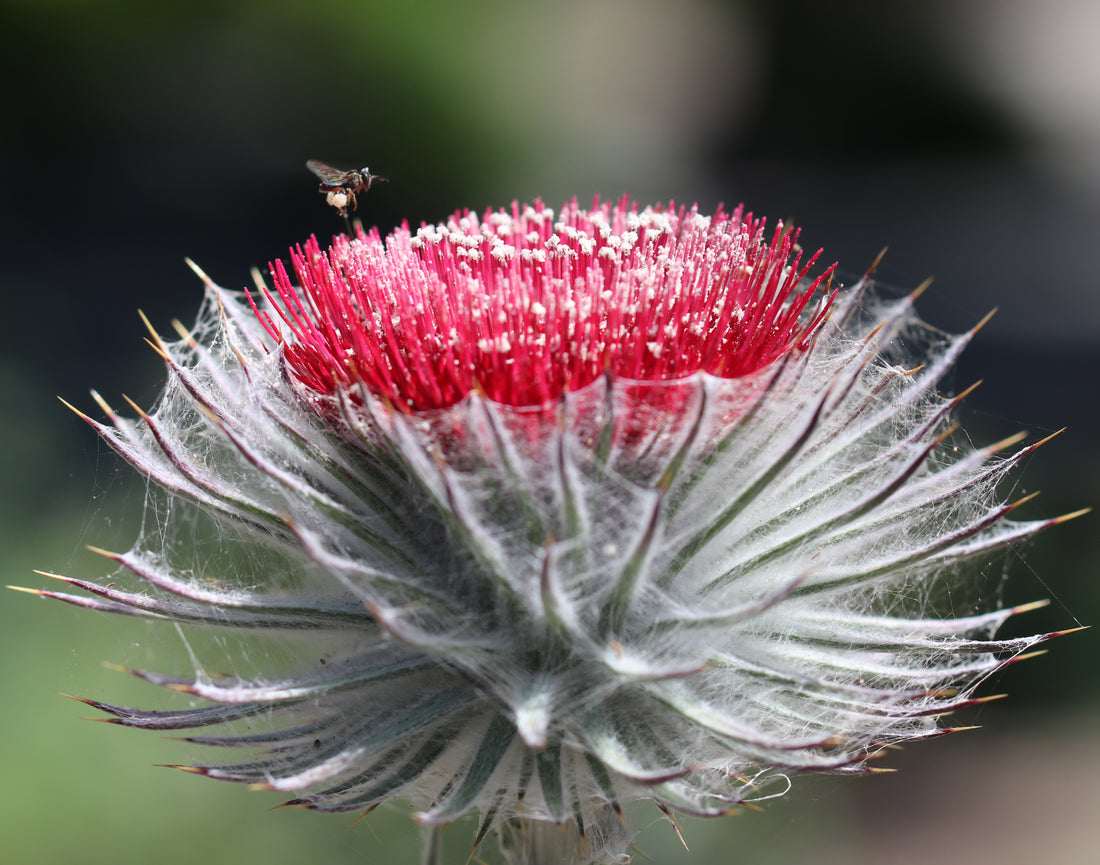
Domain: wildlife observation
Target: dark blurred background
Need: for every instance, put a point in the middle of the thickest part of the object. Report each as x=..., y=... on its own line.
x=963, y=134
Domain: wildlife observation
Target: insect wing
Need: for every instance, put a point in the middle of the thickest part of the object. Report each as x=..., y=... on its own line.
x=327, y=173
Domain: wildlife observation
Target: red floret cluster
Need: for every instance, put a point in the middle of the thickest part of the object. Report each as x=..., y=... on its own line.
x=524, y=305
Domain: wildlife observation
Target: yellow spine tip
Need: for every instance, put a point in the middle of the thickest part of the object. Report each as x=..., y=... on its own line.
x=1044, y=440
x=104, y=406
x=1013, y=439
x=1028, y=608
x=959, y=397
x=199, y=272
x=947, y=433
x=72, y=408
x=182, y=331
x=157, y=347
x=1070, y=631
x=156, y=342
x=1023, y=501
x=1065, y=518
x=26, y=590
x=874, y=264
x=984, y=321
x=920, y=289
x=140, y=411
x=50, y=576
x=1028, y=655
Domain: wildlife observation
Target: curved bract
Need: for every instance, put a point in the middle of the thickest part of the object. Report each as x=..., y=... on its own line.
x=546, y=595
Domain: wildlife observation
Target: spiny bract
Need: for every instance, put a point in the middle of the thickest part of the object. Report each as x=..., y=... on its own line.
x=536, y=515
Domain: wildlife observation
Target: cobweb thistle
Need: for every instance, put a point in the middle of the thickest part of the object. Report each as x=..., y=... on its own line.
x=538, y=514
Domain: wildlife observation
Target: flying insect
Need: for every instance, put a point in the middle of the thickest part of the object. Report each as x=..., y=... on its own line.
x=339, y=186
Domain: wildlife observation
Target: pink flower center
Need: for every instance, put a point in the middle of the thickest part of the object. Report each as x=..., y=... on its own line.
x=525, y=305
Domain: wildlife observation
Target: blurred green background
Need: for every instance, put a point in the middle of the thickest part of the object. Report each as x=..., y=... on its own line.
x=963, y=134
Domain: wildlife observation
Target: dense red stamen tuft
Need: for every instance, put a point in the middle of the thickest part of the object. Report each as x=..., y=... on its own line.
x=526, y=305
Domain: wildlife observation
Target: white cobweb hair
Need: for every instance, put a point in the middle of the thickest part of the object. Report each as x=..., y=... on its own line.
x=681, y=592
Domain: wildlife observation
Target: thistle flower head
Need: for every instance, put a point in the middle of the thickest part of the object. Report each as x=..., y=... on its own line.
x=550, y=512
x=524, y=307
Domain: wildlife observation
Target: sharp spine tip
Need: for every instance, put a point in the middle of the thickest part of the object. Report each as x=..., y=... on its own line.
x=1065, y=518
x=1008, y=442
x=984, y=321
x=26, y=590
x=99, y=551
x=198, y=271
x=156, y=342
x=191, y=770
x=1030, y=607
x=1020, y=502
x=1044, y=440
x=157, y=348
x=1068, y=631
x=920, y=289
x=83, y=700
x=947, y=433
x=874, y=264
x=75, y=410
x=959, y=397
x=140, y=411
x=61, y=577
x=104, y=406
x=258, y=280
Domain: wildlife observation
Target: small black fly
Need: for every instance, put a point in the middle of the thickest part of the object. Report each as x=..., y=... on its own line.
x=340, y=187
